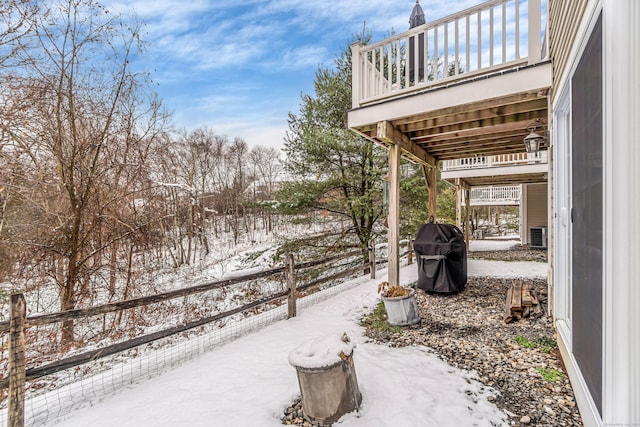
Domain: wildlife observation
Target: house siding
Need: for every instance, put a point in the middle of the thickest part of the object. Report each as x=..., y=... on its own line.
x=564, y=20
x=595, y=115
x=537, y=213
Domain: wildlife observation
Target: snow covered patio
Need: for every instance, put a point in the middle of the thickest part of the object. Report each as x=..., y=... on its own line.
x=249, y=382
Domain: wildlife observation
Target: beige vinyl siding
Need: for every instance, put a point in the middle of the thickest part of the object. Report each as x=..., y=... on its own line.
x=537, y=205
x=564, y=19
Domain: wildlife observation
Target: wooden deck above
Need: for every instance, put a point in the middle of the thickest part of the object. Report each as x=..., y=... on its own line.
x=458, y=87
x=483, y=116
x=474, y=96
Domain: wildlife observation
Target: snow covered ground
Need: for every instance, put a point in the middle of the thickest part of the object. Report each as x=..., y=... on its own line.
x=249, y=382
x=498, y=244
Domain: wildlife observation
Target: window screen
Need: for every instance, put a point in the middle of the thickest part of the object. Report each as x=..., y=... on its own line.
x=586, y=214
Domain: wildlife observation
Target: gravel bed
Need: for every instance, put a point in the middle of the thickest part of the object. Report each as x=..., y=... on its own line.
x=468, y=331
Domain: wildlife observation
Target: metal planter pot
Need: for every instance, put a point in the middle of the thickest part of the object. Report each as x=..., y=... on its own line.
x=329, y=392
x=402, y=311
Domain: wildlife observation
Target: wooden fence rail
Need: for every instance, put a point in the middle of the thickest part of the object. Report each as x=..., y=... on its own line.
x=19, y=323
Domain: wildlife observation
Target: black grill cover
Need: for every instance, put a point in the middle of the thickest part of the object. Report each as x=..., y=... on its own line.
x=441, y=254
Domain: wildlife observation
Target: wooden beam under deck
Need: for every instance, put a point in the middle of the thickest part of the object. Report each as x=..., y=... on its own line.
x=496, y=121
x=503, y=102
x=456, y=138
x=482, y=113
x=488, y=136
x=503, y=143
x=388, y=134
x=481, y=117
x=477, y=146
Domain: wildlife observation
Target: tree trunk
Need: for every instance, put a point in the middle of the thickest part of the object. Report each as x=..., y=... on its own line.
x=68, y=302
x=113, y=259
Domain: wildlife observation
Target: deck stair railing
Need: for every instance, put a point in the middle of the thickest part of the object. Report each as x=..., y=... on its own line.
x=492, y=36
x=495, y=195
x=481, y=162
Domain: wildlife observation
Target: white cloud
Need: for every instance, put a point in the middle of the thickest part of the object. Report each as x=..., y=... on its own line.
x=239, y=67
x=305, y=56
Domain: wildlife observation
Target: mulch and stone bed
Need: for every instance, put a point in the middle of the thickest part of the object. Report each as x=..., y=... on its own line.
x=519, y=360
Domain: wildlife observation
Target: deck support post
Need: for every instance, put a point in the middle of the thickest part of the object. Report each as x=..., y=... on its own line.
x=458, y=205
x=431, y=177
x=393, y=219
x=467, y=216
x=399, y=144
x=463, y=190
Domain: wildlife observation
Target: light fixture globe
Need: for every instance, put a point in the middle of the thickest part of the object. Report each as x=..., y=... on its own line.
x=533, y=141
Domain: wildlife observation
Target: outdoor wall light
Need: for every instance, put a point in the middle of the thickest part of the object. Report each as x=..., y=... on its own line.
x=533, y=140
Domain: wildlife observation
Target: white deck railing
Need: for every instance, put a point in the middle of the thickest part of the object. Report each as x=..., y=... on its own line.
x=496, y=195
x=481, y=162
x=491, y=36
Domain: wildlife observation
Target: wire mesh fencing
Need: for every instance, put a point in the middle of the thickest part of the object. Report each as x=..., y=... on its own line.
x=193, y=321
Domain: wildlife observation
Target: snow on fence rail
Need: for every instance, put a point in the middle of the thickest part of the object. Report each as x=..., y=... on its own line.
x=14, y=386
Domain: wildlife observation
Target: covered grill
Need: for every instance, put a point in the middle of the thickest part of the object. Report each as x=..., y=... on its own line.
x=441, y=254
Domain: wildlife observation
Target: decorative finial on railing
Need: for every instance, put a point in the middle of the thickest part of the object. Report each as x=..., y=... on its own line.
x=417, y=16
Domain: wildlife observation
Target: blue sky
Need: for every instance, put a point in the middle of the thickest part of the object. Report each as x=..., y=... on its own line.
x=239, y=67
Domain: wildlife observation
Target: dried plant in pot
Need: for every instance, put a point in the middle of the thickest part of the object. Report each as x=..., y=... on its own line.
x=400, y=304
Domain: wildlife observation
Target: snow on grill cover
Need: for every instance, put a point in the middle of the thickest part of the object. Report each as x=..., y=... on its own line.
x=441, y=256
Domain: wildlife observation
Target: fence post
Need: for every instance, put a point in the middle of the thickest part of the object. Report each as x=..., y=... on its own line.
x=372, y=258
x=291, y=284
x=17, y=373
x=410, y=249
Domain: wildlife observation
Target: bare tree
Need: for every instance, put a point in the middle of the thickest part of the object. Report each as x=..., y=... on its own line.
x=16, y=23
x=206, y=154
x=268, y=167
x=236, y=159
x=84, y=124
x=15, y=31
